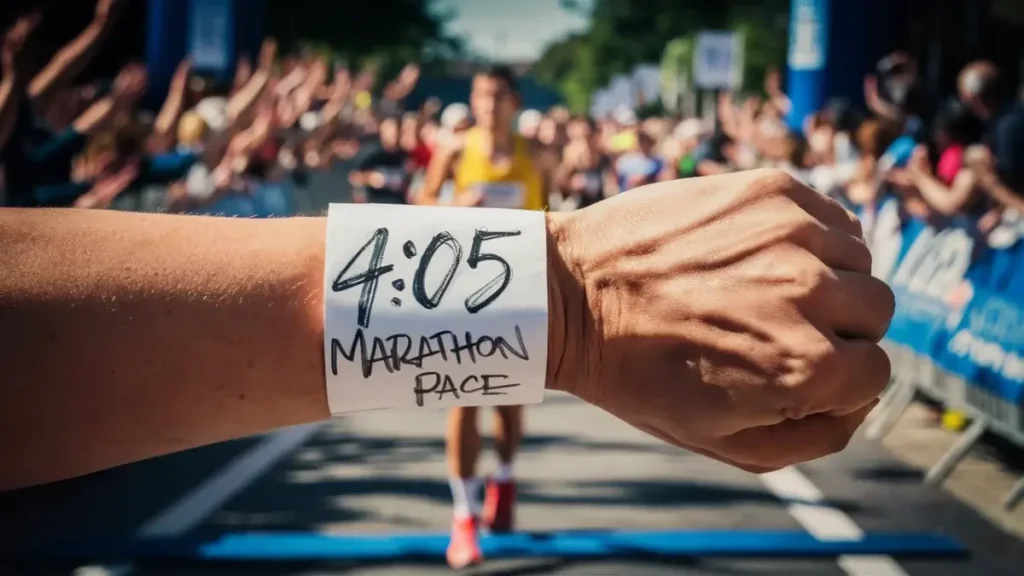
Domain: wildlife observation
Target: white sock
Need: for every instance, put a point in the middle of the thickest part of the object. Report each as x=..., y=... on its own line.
x=504, y=473
x=465, y=496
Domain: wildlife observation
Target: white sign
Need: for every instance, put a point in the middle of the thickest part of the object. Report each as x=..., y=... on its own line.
x=808, y=36
x=718, y=61
x=210, y=34
x=434, y=307
x=647, y=80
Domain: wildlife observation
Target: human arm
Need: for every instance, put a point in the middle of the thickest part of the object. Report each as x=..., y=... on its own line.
x=170, y=112
x=947, y=200
x=13, y=76
x=126, y=336
x=106, y=189
x=991, y=169
x=70, y=60
x=876, y=103
x=440, y=167
x=773, y=87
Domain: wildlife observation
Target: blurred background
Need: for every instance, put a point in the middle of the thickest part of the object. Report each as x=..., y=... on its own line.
x=906, y=111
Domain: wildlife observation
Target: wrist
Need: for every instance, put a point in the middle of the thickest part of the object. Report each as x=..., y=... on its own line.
x=566, y=304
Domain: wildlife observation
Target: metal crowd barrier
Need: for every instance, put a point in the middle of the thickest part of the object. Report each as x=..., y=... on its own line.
x=958, y=334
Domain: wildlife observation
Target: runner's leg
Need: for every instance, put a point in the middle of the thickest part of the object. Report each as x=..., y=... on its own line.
x=462, y=448
x=499, y=513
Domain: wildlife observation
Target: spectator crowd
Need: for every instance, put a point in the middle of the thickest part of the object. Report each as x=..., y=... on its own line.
x=213, y=143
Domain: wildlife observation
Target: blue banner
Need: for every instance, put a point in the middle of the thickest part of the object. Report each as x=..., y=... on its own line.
x=211, y=36
x=959, y=297
x=808, y=55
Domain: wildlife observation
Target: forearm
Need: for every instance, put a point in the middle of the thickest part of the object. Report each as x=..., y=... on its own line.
x=111, y=358
x=9, y=102
x=948, y=201
x=215, y=334
x=242, y=102
x=95, y=116
x=67, y=63
x=1004, y=194
x=170, y=112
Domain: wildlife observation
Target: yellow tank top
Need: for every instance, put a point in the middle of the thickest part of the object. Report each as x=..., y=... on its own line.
x=517, y=185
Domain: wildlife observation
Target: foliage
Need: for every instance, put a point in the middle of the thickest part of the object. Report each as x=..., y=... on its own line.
x=626, y=33
x=386, y=32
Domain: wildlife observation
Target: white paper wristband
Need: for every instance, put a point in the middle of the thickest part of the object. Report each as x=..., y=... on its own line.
x=434, y=307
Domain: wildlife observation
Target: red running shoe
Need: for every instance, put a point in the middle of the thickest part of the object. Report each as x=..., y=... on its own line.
x=464, y=547
x=499, y=506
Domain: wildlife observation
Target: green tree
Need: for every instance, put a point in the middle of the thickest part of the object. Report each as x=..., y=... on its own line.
x=625, y=33
x=568, y=66
x=388, y=31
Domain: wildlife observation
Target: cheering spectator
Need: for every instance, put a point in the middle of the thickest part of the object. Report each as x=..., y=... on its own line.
x=999, y=166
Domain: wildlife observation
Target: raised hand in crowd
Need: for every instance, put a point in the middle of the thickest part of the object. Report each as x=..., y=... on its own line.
x=773, y=88
x=106, y=10
x=130, y=84
x=14, y=72
x=70, y=60
x=268, y=53
x=243, y=71
x=162, y=138
x=108, y=187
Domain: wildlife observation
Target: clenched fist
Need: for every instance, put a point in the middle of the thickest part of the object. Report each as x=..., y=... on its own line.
x=734, y=316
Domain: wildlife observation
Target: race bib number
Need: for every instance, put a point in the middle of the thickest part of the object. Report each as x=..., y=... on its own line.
x=503, y=195
x=434, y=307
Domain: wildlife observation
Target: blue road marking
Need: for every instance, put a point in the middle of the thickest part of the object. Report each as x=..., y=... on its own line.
x=299, y=546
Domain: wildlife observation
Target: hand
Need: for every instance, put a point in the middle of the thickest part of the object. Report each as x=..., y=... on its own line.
x=468, y=198
x=919, y=162
x=902, y=179
x=731, y=315
x=772, y=81
x=577, y=183
x=107, y=188
x=636, y=180
x=13, y=53
x=130, y=84
x=268, y=51
x=990, y=220
x=871, y=89
x=107, y=10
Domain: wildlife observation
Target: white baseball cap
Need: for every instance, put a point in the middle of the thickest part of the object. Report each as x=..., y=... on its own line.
x=529, y=120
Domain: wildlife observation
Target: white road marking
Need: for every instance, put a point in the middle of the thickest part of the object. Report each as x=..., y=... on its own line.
x=825, y=522
x=197, y=505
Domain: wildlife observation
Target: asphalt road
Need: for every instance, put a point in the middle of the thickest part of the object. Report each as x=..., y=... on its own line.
x=383, y=473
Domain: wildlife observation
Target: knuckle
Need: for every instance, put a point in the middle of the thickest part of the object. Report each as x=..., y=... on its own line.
x=803, y=230
x=812, y=281
x=775, y=181
x=855, y=224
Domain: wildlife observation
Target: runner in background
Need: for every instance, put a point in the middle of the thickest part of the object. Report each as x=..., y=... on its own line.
x=493, y=167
